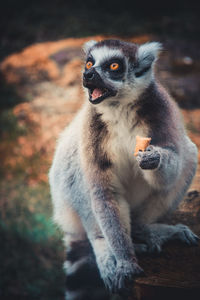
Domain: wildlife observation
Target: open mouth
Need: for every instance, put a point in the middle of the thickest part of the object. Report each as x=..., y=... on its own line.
x=97, y=95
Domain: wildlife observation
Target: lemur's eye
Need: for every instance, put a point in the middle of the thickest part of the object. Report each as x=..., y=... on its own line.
x=89, y=65
x=114, y=66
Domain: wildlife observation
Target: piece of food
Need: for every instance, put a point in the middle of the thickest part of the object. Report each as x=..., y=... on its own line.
x=141, y=144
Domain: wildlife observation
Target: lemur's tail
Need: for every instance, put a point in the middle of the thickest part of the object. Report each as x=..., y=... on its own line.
x=83, y=281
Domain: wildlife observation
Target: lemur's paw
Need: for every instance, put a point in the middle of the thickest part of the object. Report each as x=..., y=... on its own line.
x=125, y=273
x=148, y=159
x=185, y=235
x=107, y=267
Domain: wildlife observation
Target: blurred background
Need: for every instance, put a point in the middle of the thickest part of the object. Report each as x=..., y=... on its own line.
x=41, y=60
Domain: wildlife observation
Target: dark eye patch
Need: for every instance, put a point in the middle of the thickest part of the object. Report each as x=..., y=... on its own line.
x=106, y=65
x=114, y=74
x=90, y=58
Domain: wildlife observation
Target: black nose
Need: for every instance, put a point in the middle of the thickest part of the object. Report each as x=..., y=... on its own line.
x=89, y=75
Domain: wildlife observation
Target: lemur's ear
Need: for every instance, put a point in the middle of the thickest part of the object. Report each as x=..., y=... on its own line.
x=88, y=45
x=146, y=55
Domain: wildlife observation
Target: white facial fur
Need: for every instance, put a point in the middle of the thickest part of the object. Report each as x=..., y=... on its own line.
x=105, y=53
x=88, y=45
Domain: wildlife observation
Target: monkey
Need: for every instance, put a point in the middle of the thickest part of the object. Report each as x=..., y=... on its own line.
x=104, y=198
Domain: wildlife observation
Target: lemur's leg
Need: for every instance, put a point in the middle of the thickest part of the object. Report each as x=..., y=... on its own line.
x=155, y=235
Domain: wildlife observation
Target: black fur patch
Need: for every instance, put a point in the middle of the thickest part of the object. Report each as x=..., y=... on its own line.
x=98, y=134
x=85, y=275
x=77, y=250
x=142, y=72
x=156, y=110
x=129, y=49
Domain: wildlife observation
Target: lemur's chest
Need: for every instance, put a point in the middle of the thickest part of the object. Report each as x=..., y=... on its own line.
x=127, y=173
x=123, y=141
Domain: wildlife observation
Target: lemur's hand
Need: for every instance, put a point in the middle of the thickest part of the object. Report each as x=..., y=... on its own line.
x=125, y=273
x=148, y=159
x=118, y=276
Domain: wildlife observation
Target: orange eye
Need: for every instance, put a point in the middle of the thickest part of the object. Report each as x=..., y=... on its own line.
x=114, y=66
x=89, y=65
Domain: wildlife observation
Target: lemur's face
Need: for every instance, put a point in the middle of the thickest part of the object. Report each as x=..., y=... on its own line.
x=105, y=73
x=112, y=69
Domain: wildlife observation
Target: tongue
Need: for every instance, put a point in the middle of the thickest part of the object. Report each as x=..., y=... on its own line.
x=96, y=94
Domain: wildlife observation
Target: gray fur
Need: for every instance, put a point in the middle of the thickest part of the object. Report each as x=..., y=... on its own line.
x=154, y=236
x=99, y=187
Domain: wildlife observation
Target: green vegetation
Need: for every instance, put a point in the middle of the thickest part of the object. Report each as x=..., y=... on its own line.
x=32, y=253
x=31, y=249
x=9, y=125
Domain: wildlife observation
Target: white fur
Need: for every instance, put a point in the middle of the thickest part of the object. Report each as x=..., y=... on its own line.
x=104, y=53
x=88, y=45
x=146, y=49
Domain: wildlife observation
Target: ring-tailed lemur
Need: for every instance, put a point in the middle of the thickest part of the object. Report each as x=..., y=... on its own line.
x=103, y=194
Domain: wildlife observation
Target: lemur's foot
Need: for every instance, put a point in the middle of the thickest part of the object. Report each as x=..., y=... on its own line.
x=185, y=235
x=154, y=236
x=149, y=159
x=125, y=273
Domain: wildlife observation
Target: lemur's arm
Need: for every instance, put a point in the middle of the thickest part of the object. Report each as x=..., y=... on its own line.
x=160, y=165
x=97, y=167
x=106, y=209
x=112, y=246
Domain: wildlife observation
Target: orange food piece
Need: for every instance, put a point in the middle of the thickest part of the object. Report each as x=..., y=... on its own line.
x=141, y=143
